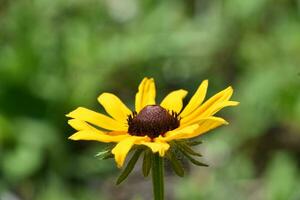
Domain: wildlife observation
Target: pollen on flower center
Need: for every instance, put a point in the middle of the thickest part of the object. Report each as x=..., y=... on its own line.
x=152, y=120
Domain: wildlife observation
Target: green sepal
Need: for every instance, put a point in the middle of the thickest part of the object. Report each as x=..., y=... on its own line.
x=185, y=147
x=194, y=161
x=175, y=163
x=147, y=162
x=105, y=154
x=193, y=142
x=124, y=174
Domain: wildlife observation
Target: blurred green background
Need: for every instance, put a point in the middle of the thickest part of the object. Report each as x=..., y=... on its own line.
x=56, y=55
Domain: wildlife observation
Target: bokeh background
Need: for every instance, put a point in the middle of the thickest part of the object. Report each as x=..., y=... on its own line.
x=56, y=55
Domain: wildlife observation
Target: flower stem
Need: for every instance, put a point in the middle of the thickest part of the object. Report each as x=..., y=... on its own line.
x=158, y=177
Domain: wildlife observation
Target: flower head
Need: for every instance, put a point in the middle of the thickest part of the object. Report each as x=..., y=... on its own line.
x=151, y=125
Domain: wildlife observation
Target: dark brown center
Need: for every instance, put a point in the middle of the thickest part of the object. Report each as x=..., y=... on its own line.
x=152, y=121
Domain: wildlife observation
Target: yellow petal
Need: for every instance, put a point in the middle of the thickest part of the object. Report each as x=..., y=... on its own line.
x=157, y=146
x=80, y=125
x=114, y=107
x=202, y=127
x=123, y=147
x=206, y=126
x=216, y=108
x=175, y=134
x=114, y=133
x=146, y=94
x=97, y=135
x=173, y=101
x=196, y=100
x=97, y=119
x=198, y=113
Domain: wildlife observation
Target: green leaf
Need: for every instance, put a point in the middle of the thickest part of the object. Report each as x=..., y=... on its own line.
x=129, y=166
x=194, y=161
x=176, y=164
x=185, y=147
x=147, y=162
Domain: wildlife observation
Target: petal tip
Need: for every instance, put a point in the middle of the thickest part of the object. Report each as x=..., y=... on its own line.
x=72, y=137
x=237, y=103
x=71, y=120
x=69, y=114
x=102, y=95
x=183, y=91
x=234, y=103
x=146, y=79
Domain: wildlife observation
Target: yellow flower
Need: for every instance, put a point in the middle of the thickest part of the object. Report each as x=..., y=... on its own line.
x=151, y=124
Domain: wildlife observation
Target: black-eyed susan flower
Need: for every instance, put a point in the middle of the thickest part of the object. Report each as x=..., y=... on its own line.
x=155, y=127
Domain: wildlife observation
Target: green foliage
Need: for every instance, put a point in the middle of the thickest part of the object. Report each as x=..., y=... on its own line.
x=175, y=163
x=58, y=55
x=105, y=154
x=283, y=168
x=185, y=147
x=147, y=162
x=129, y=167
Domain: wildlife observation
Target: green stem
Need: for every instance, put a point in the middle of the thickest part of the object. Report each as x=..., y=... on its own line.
x=158, y=177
